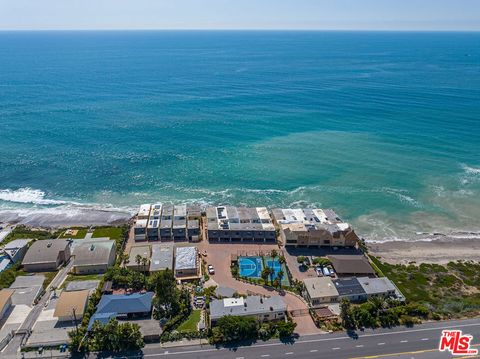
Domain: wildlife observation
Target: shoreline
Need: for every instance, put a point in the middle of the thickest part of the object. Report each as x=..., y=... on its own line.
x=436, y=248
x=439, y=251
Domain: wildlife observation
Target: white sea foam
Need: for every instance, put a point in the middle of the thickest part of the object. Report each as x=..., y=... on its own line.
x=28, y=195
x=471, y=170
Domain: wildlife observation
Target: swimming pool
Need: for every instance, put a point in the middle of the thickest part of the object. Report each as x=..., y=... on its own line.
x=250, y=267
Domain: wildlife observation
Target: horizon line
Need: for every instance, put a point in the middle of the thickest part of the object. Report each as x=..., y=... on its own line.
x=238, y=30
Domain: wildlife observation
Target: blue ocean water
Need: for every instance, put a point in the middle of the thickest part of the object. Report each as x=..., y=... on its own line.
x=382, y=126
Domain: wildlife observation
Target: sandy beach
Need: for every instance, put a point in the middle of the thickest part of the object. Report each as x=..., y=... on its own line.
x=439, y=251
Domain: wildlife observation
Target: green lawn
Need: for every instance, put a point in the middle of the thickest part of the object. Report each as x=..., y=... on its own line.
x=191, y=322
x=48, y=277
x=80, y=234
x=112, y=232
x=21, y=232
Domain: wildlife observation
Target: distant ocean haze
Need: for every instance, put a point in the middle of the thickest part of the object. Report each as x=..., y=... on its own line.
x=382, y=127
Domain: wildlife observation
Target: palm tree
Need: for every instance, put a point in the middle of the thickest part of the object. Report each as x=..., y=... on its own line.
x=265, y=274
x=273, y=254
x=138, y=260
x=144, y=264
x=280, y=275
x=282, y=260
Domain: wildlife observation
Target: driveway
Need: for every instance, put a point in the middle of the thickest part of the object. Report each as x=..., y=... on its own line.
x=219, y=255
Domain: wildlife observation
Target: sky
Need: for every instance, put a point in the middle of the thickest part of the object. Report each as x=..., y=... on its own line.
x=459, y=15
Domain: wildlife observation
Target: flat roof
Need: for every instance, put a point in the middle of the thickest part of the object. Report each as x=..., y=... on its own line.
x=351, y=264
x=26, y=281
x=143, y=251
x=70, y=301
x=5, y=295
x=162, y=257
x=251, y=305
x=376, y=285
x=186, y=258
x=320, y=287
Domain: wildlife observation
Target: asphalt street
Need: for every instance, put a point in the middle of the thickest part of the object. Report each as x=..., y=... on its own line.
x=420, y=342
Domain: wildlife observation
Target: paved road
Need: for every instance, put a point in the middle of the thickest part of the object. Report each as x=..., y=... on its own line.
x=32, y=317
x=418, y=342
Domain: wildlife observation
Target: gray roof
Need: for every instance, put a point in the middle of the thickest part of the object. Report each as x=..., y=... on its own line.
x=27, y=295
x=251, y=305
x=82, y=285
x=320, y=287
x=372, y=286
x=45, y=251
x=225, y=291
x=186, y=258
x=125, y=303
x=93, y=252
x=162, y=257
x=143, y=251
x=17, y=243
x=26, y=281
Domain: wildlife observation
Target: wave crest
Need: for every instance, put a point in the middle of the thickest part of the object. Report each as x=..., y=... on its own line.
x=28, y=195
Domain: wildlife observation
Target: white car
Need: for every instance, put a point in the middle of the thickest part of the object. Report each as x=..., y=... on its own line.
x=211, y=270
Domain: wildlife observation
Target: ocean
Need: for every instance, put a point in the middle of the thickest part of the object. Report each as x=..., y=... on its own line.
x=384, y=127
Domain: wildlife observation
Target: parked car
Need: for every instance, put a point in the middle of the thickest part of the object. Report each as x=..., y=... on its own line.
x=211, y=270
x=318, y=270
x=326, y=272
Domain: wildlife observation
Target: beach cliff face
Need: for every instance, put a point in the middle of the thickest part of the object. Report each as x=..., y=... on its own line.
x=382, y=127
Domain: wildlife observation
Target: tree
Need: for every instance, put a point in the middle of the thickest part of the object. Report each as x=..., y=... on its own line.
x=301, y=259
x=274, y=254
x=265, y=274
x=235, y=328
x=282, y=260
x=286, y=329
x=276, y=283
x=144, y=264
x=346, y=314
x=114, y=337
x=167, y=293
x=280, y=276
x=138, y=259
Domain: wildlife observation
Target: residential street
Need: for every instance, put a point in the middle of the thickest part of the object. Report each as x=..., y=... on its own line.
x=32, y=317
x=419, y=342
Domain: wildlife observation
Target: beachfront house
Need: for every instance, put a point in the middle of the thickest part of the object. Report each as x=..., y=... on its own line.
x=179, y=224
x=166, y=223
x=239, y=224
x=313, y=228
x=93, y=256
x=46, y=255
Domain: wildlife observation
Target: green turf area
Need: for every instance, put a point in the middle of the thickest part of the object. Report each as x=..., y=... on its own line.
x=48, y=278
x=451, y=290
x=115, y=233
x=21, y=232
x=7, y=277
x=80, y=234
x=191, y=322
x=112, y=232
